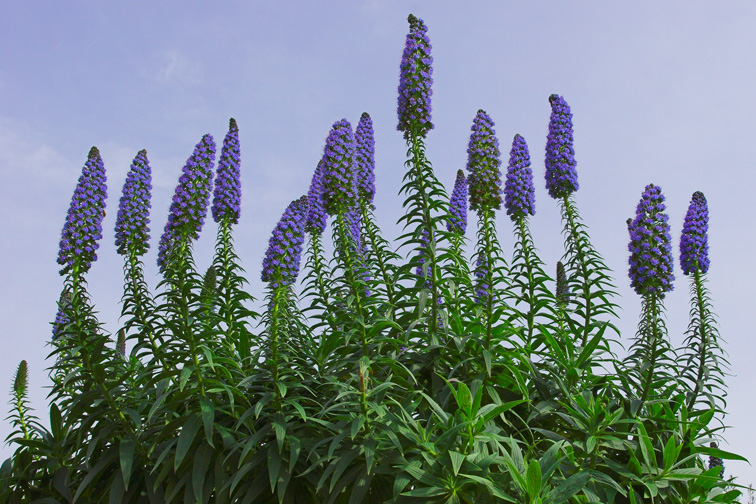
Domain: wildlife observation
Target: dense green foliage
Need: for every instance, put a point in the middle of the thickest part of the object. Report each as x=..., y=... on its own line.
x=368, y=383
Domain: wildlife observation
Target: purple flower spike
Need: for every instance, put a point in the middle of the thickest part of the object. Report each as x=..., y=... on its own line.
x=83, y=227
x=316, y=215
x=650, y=245
x=694, y=241
x=415, y=81
x=61, y=317
x=281, y=263
x=561, y=175
x=458, y=206
x=483, y=162
x=227, y=194
x=189, y=206
x=364, y=158
x=519, y=193
x=339, y=184
x=132, y=232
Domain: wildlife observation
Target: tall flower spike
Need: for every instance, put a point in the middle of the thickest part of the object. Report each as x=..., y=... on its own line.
x=281, y=263
x=458, y=206
x=561, y=174
x=415, y=81
x=562, y=289
x=21, y=381
x=694, y=240
x=317, y=217
x=227, y=194
x=519, y=193
x=83, y=227
x=339, y=184
x=132, y=232
x=364, y=158
x=189, y=206
x=650, y=245
x=483, y=162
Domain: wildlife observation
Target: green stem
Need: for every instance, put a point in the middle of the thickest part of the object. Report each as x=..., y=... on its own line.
x=703, y=332
x=652, y=321
x=356, y=287
x=379, y=256
x=186, y=328
x=580, y=256
x=317, y=259
x=525, y=243
x=486, y=224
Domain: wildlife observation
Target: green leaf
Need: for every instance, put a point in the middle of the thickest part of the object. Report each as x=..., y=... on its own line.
x=456, y=460
x=126, y=449
x=202, y=459
x=208, y=418
x=185, y=439
x=567, y=488
x=534, y=480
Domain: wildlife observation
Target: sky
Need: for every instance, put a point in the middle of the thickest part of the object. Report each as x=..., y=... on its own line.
x=661, y=92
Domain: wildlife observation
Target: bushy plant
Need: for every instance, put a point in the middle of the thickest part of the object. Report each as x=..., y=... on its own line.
x=384, y=373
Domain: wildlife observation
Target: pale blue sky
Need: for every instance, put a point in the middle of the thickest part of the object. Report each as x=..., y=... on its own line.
x=661, y=92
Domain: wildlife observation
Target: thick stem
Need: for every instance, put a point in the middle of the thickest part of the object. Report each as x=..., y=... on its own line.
x=652, y=325
x=346, y=250
x=704, y=335
x=580, y=256
x=486, y=218
x=379, y=256
x=525, y=243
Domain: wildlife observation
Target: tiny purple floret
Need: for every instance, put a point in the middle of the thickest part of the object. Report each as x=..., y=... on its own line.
x=561, y=173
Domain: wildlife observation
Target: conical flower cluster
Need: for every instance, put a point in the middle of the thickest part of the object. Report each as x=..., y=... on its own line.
x=519, y=192
x=281, y=263
x=415, y=81
x=339, y=184
x=132, y=232
x=190, y=201
x=561, y=172
x=483, y=162
x=83, y=227
x=364, y=159
x=650, y=245
x=227, y=193
x=317, y=217
x=694, y=240
x=458, y=206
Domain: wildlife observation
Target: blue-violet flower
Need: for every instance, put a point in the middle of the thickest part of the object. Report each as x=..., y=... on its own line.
x=227, y=193
x=189, y=206
x=415, y=81
x=281, y=263
x=519, y=192
x=694, y=240
x=561, y=175
x=458, y=206
x=132, y=232
x=483, y=162
x=83, y=227
x=339, y=183
x=317, y=217
x=651, y=267
x=364, y=158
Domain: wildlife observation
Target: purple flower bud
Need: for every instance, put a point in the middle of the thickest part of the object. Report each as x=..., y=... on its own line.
x=281, y=263
x=227, y=194
x=519, y=193
x=316, y=215
x=83, y=227
x=132, y=234
x=415, y=81
x=483, y=162
x=650, y=245
x=458, y=206
x=694, y=240
x=561, y=175
x=190, y=200
x=339, y=184
x=364, y=159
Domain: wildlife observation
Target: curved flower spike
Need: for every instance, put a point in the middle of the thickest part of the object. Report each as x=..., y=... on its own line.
x=132, y=224
x=83, y=227
x=364, y=158
x=458, y=206
x=483, y=162
x=694, y=240
x=415, y=81
x=227, y=193
x=519, y=193
x=650, y=245
x=561, y=174
x=281, y=263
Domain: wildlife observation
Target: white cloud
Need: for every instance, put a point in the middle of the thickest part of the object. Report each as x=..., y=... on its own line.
x=176, y=67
